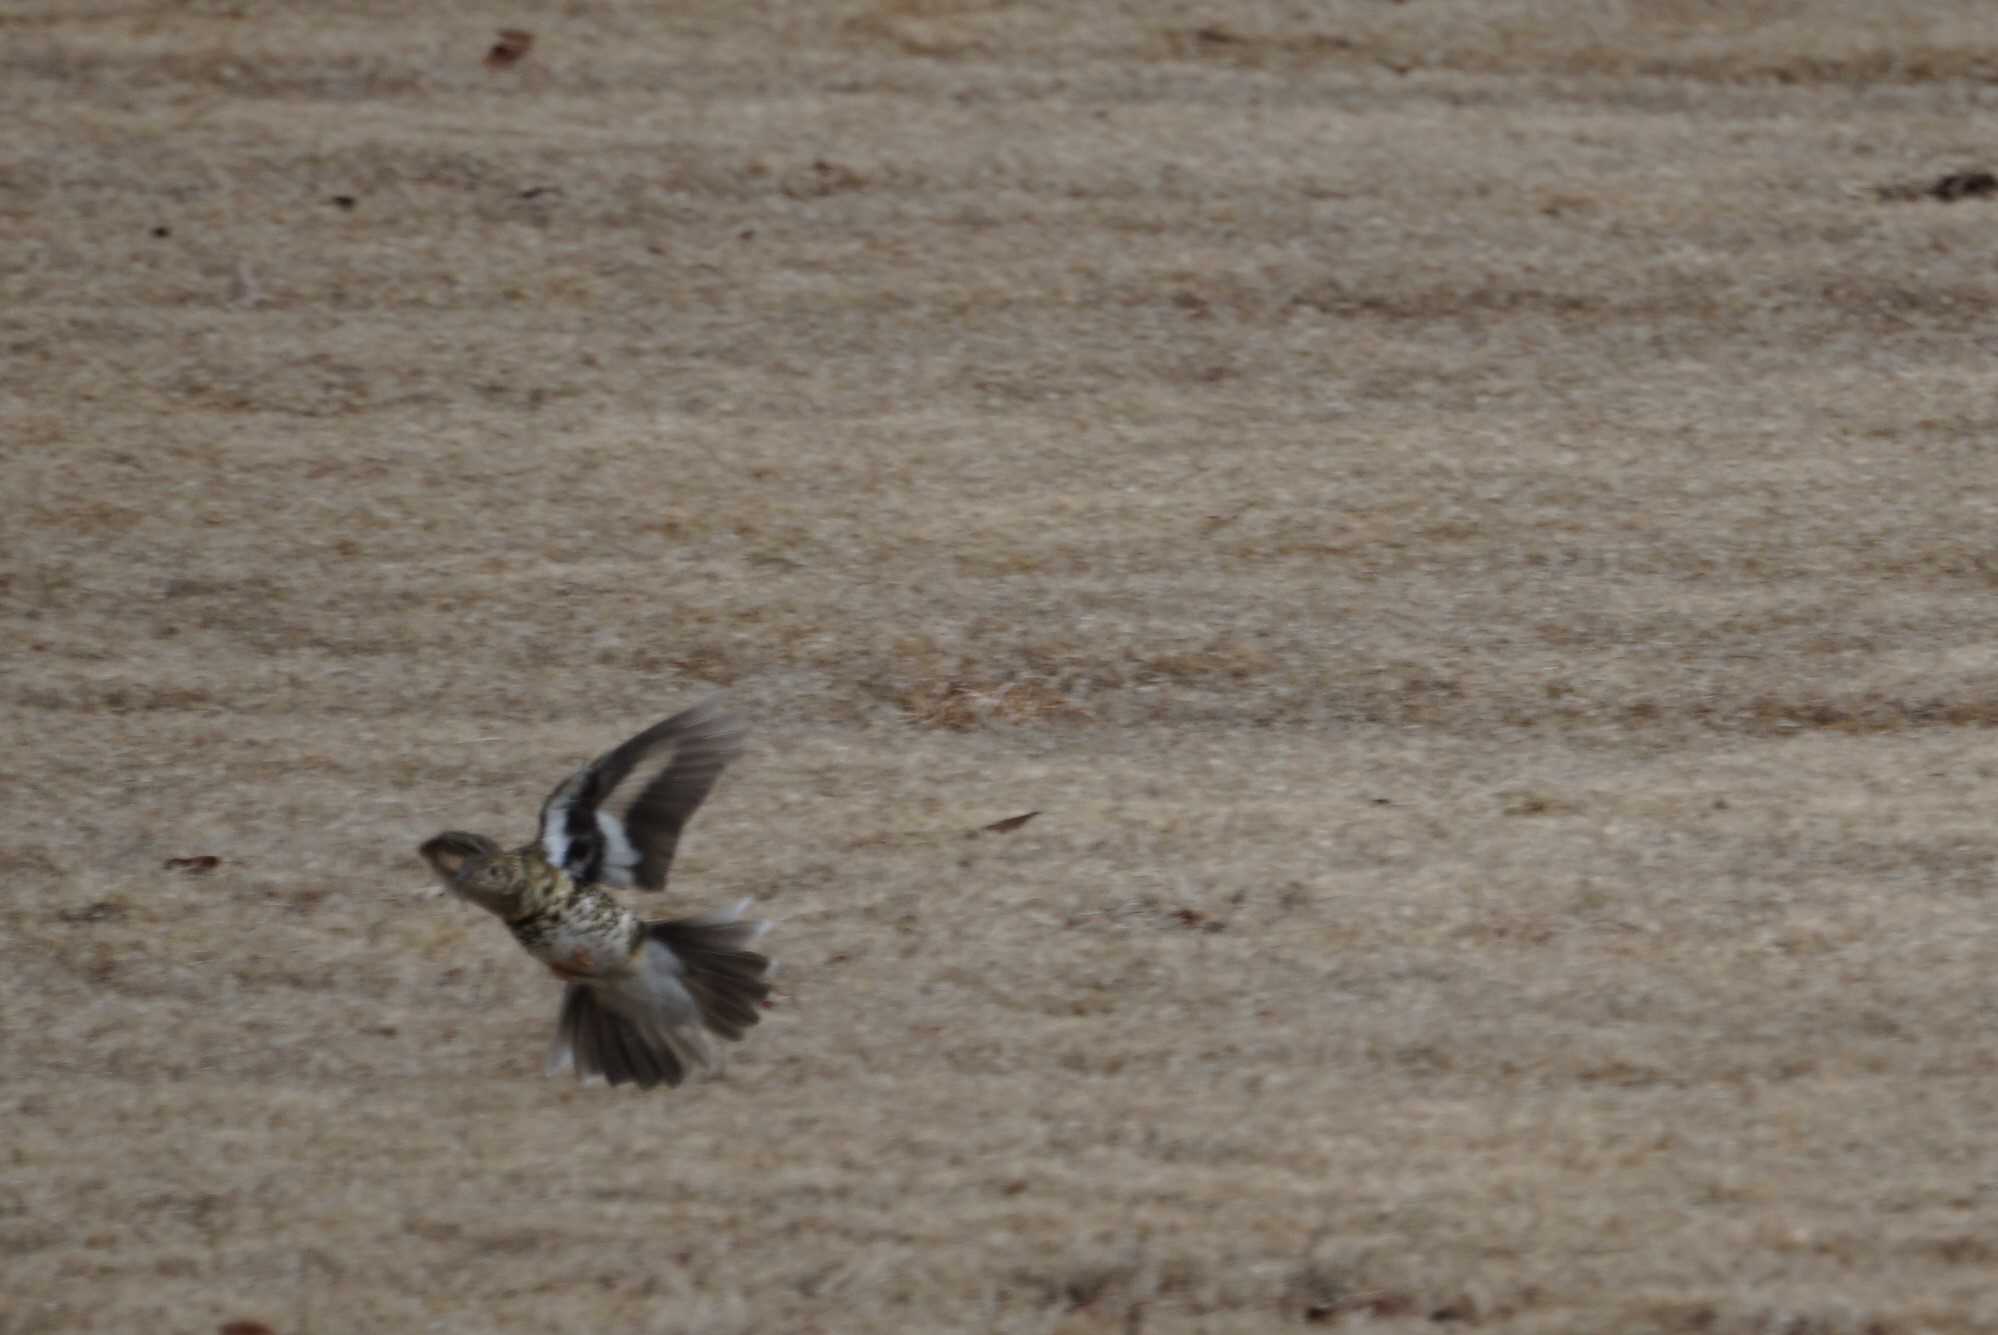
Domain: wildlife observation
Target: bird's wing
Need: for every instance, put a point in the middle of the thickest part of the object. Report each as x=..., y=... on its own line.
x=617, y=820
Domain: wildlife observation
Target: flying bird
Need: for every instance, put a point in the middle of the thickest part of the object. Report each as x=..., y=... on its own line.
x=641, y=999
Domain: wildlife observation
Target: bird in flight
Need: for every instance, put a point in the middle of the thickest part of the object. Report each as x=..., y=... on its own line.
x=641, y=999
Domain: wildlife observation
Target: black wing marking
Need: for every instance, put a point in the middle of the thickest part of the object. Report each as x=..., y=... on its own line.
x=588, y=837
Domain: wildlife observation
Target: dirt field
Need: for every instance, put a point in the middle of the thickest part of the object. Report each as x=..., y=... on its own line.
x=1473, y=522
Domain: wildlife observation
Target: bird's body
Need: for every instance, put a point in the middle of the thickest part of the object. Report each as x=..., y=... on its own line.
x=578, y=931
x=642, y=997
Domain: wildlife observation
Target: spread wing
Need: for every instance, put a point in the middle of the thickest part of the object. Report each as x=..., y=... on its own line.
x=617, y=820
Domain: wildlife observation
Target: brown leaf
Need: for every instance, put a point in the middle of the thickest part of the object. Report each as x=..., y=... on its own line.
x=194, y=866
x=1007, y=826
x=1964, y=185
x=1948, y=188
x=244, y=1328
x=512, y=46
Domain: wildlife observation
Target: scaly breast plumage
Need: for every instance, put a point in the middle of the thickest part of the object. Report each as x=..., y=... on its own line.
x=587, y=936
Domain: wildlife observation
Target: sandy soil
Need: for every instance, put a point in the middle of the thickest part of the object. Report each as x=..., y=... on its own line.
x=1472, y=521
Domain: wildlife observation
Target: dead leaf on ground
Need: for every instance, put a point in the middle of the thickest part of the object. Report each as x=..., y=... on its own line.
x=1965, y=185
x=194, y=866
x=1007, y=826
x=244, y=1328
x=1949, y=187
x=512, y=46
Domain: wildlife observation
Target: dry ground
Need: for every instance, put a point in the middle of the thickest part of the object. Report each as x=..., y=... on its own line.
x=1472, y=521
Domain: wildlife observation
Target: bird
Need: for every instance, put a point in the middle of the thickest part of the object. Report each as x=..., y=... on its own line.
x=642, y=1000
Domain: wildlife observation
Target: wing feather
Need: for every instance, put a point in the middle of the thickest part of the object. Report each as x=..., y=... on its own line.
x=599, y=835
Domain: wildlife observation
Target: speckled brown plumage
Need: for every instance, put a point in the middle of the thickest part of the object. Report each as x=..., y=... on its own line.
x=641, y=999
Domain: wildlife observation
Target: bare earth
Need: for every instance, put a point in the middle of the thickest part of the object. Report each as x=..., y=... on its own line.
x=1474, y=522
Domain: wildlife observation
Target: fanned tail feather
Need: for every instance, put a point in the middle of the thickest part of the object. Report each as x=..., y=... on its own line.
x=727, y=980
x=699, y=976
x=599, y=1043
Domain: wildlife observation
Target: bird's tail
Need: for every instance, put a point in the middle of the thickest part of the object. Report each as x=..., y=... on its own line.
x=726, y=979
x=698, y=977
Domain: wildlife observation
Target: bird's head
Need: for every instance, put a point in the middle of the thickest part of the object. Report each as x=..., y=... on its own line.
x=475, y=868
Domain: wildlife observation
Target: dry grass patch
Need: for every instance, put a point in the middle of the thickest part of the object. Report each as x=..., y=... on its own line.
x=1667, y=41
x=936, y=689
x=1229, y=660
x=1255, y=50
x=1465, y=517
x=1870, y=713
x=964, y=702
